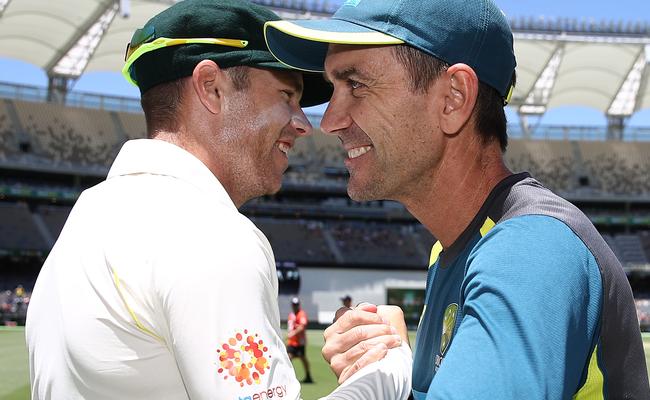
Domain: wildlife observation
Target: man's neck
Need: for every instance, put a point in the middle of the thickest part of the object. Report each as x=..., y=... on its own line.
x=192, y=144
x=448, y=203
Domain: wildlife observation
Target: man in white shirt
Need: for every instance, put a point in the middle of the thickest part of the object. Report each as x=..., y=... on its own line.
x=158, y=288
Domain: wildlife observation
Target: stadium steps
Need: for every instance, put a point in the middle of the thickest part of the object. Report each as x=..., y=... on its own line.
x=331, y=243
x=43, y=230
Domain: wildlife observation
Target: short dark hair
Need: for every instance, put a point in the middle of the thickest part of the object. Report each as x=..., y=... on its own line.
x=489, y=113
x=160, y=105
x=162, y=102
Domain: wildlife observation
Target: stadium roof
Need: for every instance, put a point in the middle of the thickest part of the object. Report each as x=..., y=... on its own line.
x=604, y=65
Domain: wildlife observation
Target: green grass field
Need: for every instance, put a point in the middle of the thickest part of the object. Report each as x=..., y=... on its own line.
x=14, y=373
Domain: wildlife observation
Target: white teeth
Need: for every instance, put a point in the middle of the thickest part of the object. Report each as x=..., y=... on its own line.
x=284, y=147
x=358, y=151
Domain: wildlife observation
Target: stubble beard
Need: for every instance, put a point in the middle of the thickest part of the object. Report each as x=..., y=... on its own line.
x=252, y=172
x=372, y=189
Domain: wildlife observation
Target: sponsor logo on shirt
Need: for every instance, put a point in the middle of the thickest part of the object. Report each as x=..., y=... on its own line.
x=448, y=324
x=276, y=392
x=244, y=357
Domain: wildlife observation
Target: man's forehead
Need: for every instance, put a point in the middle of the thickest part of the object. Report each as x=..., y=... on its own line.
x=353, y=59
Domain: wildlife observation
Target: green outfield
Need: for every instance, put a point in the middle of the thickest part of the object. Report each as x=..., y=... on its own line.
x=14, y=374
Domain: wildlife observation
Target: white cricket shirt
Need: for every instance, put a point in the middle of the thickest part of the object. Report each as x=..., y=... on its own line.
x=158, y=288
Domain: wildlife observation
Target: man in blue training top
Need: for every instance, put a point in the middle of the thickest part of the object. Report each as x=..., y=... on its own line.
x=524, y=298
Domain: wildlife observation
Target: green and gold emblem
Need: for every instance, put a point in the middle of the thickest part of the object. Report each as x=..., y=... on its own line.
x=448, y=323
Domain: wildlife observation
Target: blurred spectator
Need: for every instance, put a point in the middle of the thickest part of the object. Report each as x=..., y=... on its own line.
x=643, y=313
x=297, y=338
x=347, y=301
x=13, y=306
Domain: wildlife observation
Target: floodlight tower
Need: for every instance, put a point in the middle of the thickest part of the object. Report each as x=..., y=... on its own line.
x=615, y=83
x=65, y=68
x=628, y=98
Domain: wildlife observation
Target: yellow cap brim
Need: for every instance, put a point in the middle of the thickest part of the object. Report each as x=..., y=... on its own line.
x=303, y=44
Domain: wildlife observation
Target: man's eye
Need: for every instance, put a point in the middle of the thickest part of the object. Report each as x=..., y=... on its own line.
x=354, y=84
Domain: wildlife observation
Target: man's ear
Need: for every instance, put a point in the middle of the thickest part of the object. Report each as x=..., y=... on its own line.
x=460, y=91
x=210, y=83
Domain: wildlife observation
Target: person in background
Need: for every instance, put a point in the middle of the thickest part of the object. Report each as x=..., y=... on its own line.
x=347, y=301
x=297, y=337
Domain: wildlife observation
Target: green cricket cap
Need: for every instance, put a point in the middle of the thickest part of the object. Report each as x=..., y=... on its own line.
x=235, y=20
x=474, y=32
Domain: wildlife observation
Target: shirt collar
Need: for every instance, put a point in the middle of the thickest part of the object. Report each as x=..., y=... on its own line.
x=492, y=207
x=158, y=157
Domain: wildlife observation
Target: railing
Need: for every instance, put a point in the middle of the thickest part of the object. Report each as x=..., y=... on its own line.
x=312, y=6
x=587, y=133
x=74, y=99
x=132, y=105
x=580, y=26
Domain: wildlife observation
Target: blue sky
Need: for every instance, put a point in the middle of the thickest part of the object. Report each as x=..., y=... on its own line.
x=626, y=10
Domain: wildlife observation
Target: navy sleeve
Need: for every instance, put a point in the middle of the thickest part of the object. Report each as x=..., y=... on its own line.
x=531, y=302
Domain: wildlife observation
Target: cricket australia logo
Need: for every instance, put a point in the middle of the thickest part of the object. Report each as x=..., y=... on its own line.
x=448, y=324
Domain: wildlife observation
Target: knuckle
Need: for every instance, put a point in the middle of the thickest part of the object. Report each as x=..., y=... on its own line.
x=327, y=353
x=359, y=333
x=351, y=356
x=337, y=365
x=328, y=332
x=364, y=346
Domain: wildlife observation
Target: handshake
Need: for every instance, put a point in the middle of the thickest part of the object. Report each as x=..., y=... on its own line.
x=362, y=335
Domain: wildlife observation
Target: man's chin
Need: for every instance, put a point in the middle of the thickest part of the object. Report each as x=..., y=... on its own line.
x=358, y=193
x=274, y=187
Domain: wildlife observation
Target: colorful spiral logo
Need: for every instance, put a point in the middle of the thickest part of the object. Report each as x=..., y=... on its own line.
x=243, y=357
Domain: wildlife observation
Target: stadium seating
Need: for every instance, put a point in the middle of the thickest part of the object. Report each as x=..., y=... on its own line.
x=553, y=163
x=54, y=217
x=630, y=249
x=425, y=240
x=376, y=243
x=302, y=152
x=644, y=237
x=52, y=134
x=8, y=144
x=85, y=137
x=69, y=136
x=133, y=124
x=18, y=232
x=297, y=240
x=329, y=152
x=617, y=167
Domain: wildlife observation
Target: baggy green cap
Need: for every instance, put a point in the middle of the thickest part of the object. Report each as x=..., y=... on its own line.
x=233, y=20
x=474, y=32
